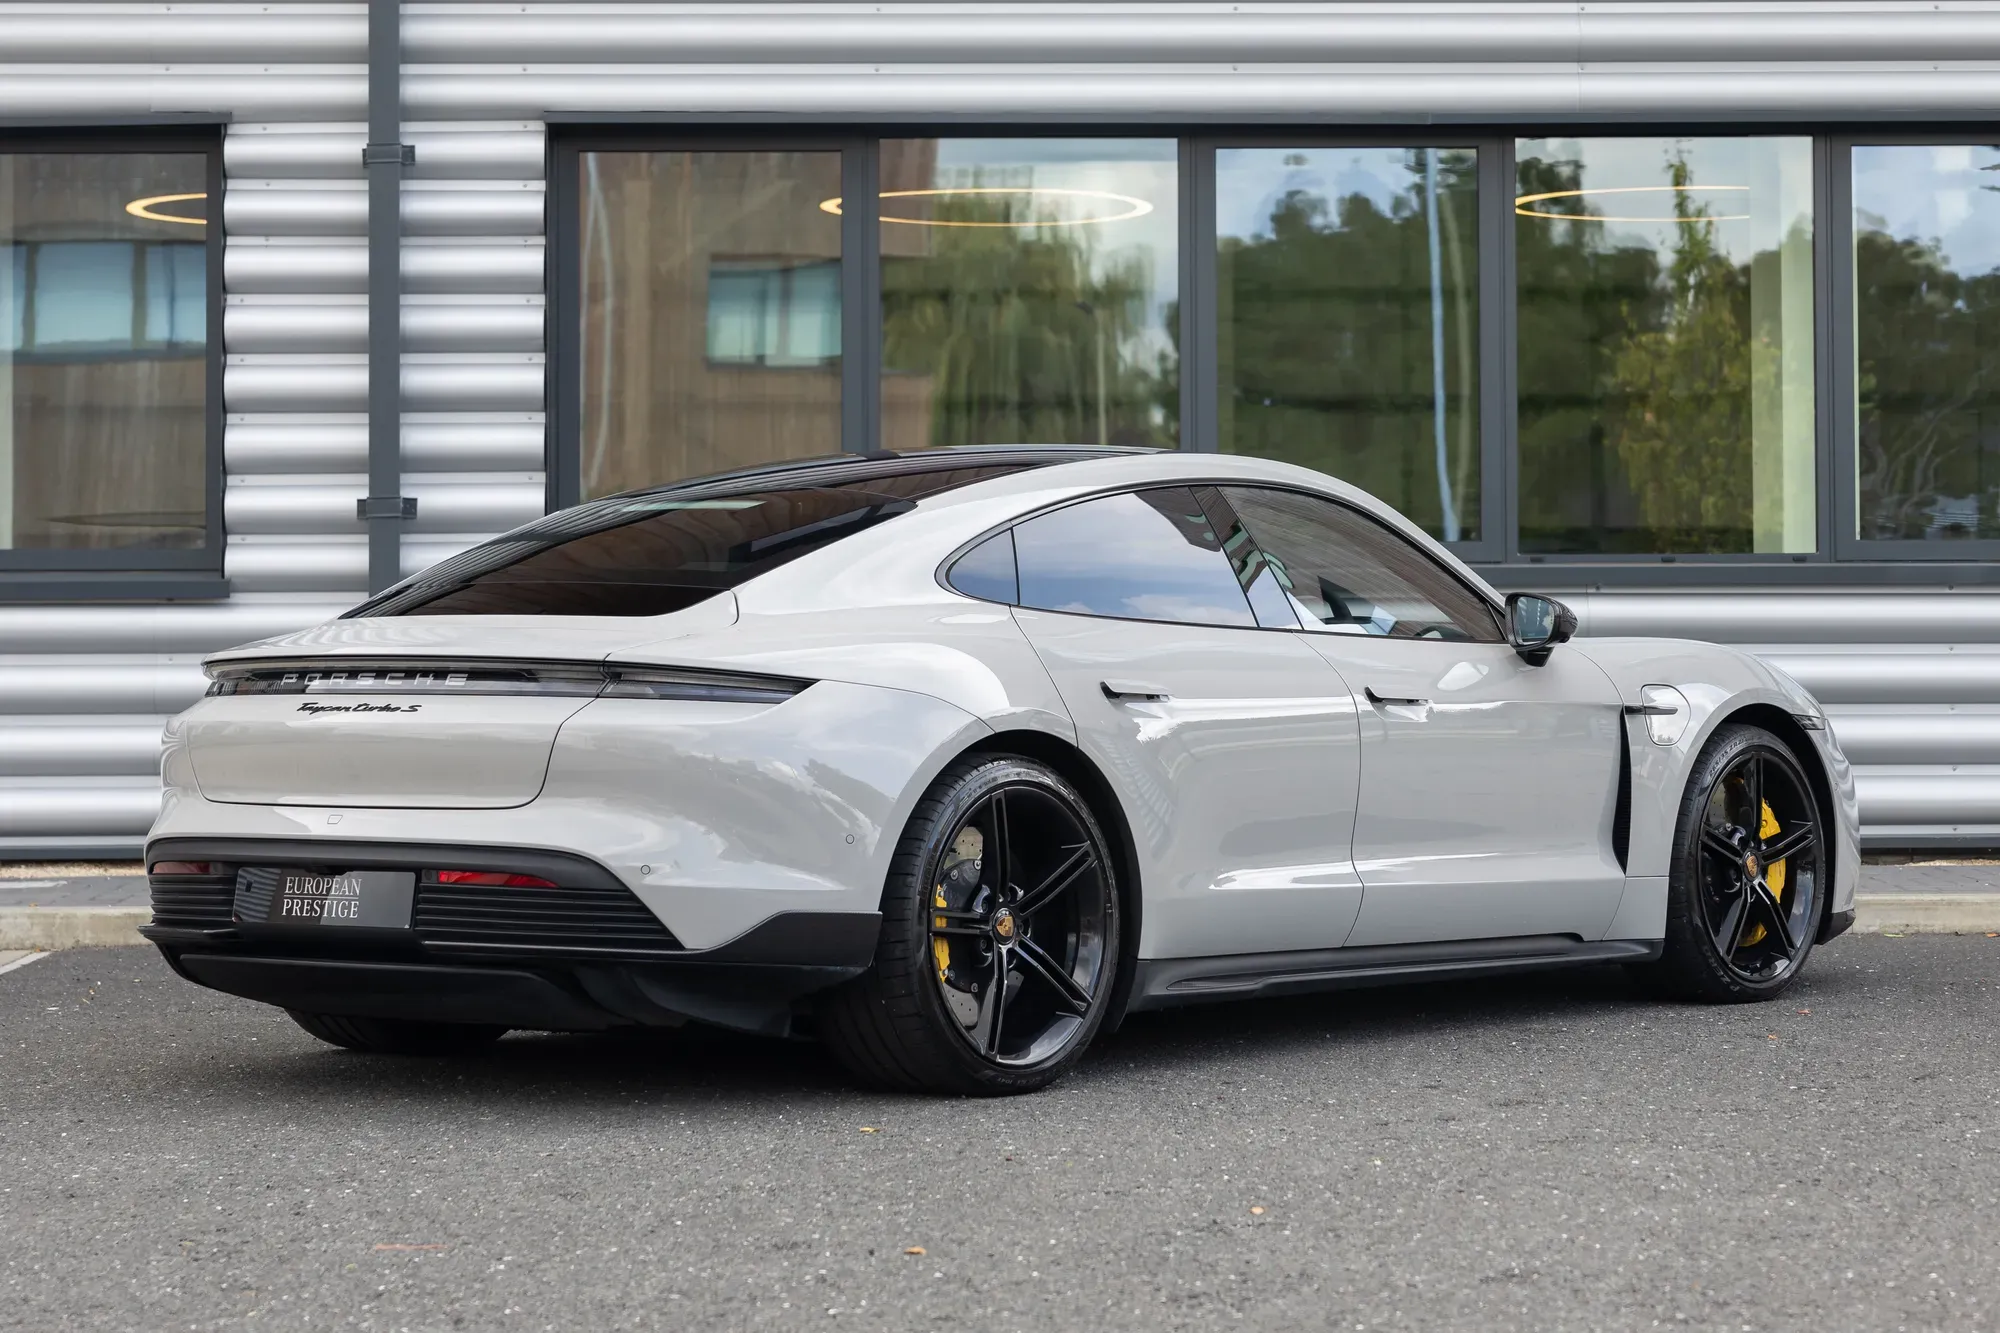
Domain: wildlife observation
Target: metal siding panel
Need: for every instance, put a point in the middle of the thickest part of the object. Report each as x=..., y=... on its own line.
x=86, y=745
x=32, y=630
x=752, y=34
x=110, y=808
x=430, y=327
x=97, y=34
x=1954, y=736
x=277, y=446
x=1804, y=616
x=98, y=685
x=321, y=154
x=308, y=386
x=327, y=506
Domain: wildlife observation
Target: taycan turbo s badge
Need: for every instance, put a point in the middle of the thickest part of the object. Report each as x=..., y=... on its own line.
x=360, y=708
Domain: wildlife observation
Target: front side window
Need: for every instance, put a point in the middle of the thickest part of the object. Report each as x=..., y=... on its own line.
x=1927, y=341
x=1030, y=291
x=1145, y=555
x=1347, y=284
x=1345, y=573
x=1665, y=345
x=103, y=352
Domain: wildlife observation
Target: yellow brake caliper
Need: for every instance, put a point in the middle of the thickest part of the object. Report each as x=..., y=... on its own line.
x=1774, y=874
x=966, y=849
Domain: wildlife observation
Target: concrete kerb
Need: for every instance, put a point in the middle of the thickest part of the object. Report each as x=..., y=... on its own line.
x=37, y=928
x=34, y=928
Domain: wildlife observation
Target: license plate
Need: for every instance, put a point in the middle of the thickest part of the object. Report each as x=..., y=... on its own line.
x=325, y=899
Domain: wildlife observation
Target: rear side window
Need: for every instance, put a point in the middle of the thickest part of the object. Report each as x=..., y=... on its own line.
x=648, y=555
x=1144, y=555
x=987, y=570
x=1345, y=573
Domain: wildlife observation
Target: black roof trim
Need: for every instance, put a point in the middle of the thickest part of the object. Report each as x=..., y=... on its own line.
x=838, y=469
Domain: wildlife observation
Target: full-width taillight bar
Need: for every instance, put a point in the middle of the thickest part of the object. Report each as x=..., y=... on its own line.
x=562, y=679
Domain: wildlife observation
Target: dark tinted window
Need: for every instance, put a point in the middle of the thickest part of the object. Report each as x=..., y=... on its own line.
x=1149, y=555
x=1344, y=573
x=987, y=570
x=647, y=555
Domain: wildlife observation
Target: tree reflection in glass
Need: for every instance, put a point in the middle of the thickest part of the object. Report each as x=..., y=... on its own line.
x=1030, y=292
x=1665, y=343
x=1347, y=281
x=1927, y=341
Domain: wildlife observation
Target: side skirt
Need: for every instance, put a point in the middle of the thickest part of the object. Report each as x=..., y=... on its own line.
x=1163, y=983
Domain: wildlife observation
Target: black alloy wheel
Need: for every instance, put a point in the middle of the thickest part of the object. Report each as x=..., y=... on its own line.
x=1749, y=871
x=1000, y=939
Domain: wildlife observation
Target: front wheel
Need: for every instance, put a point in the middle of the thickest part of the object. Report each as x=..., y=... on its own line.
x=1749, y=873
x=999, y=944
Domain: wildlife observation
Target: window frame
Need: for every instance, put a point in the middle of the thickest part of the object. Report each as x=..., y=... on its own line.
x=1842, y=387
x=1607, y=567
x=1494, y=405
x=39, y=574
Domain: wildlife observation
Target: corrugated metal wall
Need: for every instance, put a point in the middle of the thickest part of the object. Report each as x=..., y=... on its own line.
x=1912, y=679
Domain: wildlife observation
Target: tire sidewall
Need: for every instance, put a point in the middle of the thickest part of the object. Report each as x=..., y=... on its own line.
x=908, y=894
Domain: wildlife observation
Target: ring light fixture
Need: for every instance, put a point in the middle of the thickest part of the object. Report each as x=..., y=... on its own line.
x=1521, y=203
x=148, y=209
x=1133, y=207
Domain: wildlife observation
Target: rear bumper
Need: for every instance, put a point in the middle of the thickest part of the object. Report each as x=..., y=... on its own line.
x=548, y=995
x=585, y=956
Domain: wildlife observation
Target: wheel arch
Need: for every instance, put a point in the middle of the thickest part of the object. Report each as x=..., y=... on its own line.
x=1786, y=728
x=1076, y=768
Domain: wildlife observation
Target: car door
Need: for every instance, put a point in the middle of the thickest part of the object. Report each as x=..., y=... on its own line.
x=1234, y=748
x=1488, y=784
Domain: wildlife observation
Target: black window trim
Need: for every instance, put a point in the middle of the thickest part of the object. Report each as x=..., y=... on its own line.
x=142, y=575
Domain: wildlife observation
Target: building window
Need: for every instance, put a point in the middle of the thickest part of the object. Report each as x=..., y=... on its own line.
x=1030, y=291
x=1927, y=342
x=104, y=358
x=1665, y=345
x=1348, y=320
x=709, y=316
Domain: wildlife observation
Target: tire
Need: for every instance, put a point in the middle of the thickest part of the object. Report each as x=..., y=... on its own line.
x=1715, y=950
x=1000, y=940
x=397, y=1036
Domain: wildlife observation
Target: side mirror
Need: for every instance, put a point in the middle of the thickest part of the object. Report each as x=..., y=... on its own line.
x=1536, y=624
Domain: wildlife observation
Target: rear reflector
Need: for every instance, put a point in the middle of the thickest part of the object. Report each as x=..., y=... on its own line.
x=494, y=879
x=182, y=868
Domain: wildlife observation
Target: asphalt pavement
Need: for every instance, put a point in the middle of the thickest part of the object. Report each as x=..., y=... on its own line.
x=1551, y=1153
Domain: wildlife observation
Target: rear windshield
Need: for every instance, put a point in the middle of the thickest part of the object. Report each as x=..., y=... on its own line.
x=648, y=555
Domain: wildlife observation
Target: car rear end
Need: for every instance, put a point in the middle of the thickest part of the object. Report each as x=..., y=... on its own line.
x=483, y=798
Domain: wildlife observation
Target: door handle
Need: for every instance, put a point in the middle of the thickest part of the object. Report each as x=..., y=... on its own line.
x=1131, y=691
x=1387, y=701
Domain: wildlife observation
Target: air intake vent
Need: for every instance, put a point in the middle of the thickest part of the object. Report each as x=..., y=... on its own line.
x=505, y=919
x=1621, y=813
x=195, y=902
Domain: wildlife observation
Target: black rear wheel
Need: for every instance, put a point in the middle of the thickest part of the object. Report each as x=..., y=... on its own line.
x=396, y=1036
x=999, y=945
x=1749, y=872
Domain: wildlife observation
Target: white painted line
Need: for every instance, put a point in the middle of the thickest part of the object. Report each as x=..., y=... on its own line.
x=32, y=883
x=24, y=961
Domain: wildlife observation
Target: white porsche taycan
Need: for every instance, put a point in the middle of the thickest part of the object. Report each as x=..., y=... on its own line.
x=954, y=759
